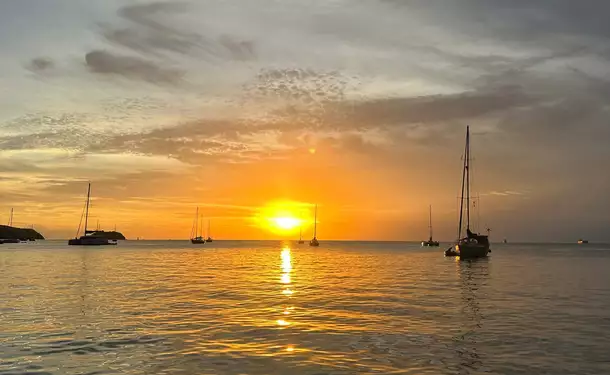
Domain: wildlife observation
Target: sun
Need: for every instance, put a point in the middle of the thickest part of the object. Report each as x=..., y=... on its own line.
x=287, y=223
x=284, y=218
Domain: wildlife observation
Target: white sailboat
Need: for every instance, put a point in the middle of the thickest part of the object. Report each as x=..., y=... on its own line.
x=430, y=241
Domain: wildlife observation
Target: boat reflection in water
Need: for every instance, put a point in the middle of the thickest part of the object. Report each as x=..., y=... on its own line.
x=473, y=275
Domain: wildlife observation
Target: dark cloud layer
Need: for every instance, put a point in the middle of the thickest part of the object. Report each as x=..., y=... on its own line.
x=40, y=64
x=150, y=32
x=104, y=62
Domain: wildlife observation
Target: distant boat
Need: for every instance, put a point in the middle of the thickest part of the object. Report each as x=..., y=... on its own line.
x=581, y=241
x=209, y=239
x=505, y=241
x=430, y=242
x=473, y=245
x=90, y=237
x=301, y=232
x=197, y=232
x=314, y=240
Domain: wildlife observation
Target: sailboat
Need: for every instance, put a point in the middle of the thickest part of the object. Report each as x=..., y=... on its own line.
x=196, y=237
x=473, y=245
x=314, y=240
x=209, y=239
x=301, y=236
x=430, y=242
x=90, y=237
x=301, y=230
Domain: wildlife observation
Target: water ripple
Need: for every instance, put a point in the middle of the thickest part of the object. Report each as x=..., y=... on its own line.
x=270, y=308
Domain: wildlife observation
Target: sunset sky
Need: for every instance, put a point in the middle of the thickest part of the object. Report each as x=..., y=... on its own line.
x=358, y=106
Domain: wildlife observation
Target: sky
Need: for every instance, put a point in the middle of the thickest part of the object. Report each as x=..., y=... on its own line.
x=357, y=106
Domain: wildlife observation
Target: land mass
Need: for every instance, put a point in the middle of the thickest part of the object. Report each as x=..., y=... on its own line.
x=12, y=233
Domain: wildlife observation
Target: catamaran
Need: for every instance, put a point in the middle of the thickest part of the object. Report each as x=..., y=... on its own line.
x=314, y=240
x=430, y=242
x=473, y=245
x=89, y=237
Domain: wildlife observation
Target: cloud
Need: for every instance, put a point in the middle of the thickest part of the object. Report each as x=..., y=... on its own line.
x=374, y=86
x=40, y=64
x=104, y=62
x=151, y=31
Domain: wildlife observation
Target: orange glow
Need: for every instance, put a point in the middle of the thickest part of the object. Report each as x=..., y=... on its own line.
x=286, y=223
x=262, y=200
x=312, y=150
x=281, y=217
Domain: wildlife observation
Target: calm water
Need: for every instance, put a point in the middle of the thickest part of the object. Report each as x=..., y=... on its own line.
x=273, y=308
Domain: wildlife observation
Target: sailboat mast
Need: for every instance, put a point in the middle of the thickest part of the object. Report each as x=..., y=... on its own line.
x=196, y=221
x=430, y=225
x=468, y=177
x=464, y=169
x=87, y=207
x=315, y=221
x=201, y=227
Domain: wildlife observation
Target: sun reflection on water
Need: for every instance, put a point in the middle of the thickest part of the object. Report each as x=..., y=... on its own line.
x=285, y=280
x=286, y=260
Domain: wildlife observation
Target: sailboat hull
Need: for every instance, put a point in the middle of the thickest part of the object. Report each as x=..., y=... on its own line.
x=91, y=241
x=430, y=243
x=472, y=251
x=197, y=241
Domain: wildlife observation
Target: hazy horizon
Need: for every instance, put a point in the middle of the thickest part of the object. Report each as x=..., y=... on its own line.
x=250, y=110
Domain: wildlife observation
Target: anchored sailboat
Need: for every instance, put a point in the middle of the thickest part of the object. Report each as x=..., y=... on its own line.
x=473, y=245
x=209, y=239
x=314, y=240
x=90, y=237
x=430, y=242
x=197, y=231
x=301, y=231
x=301, y=236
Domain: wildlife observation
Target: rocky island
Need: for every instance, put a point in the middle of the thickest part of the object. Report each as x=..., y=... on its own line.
x=23, y=234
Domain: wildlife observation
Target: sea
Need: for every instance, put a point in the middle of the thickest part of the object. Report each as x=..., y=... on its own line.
x=273, y=307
